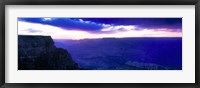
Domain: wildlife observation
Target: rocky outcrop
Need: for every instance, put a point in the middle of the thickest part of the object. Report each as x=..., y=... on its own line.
x=39, y=53
x=146, y=66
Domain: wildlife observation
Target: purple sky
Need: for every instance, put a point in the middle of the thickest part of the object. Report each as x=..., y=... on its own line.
x=80, y=28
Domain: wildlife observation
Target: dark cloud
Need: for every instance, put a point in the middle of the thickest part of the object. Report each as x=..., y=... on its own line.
x=151, y=23
x=65, y=23
x=96, y=24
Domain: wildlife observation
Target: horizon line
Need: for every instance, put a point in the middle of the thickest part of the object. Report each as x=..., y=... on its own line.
x=110, y=37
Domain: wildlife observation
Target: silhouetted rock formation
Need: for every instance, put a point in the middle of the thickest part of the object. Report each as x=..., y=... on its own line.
x=39, y=53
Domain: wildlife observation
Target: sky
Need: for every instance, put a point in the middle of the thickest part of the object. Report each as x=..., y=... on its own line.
x=82, y=28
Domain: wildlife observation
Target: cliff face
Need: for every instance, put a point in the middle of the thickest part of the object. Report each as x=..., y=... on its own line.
x=39, y=53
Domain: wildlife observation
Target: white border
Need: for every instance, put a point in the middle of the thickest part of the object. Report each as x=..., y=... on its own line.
x=187, y=75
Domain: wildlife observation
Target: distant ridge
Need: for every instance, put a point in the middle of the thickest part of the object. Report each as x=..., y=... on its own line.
x=114, y=38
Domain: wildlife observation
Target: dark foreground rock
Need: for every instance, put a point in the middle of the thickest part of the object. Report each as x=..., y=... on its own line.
x=39, y=53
